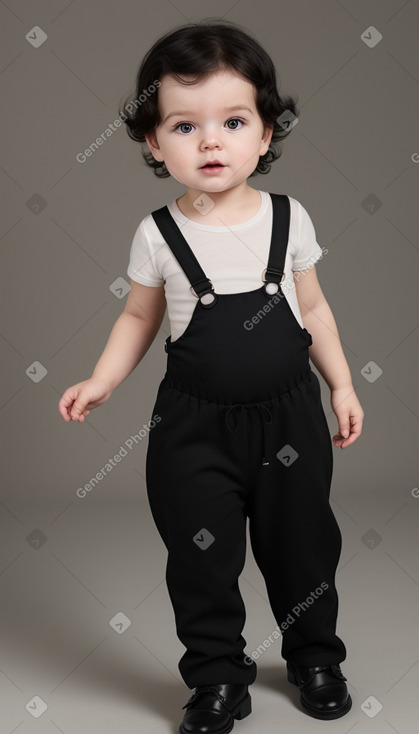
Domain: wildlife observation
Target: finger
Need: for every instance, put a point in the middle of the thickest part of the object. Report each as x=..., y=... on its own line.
x=66, y=403
x=340, y=443
x=63, y=410
x=350, y=440
x=343, y=442
x=77, y=410
x=344, y=423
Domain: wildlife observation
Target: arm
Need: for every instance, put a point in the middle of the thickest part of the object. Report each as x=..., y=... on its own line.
x=327, y=355
x=131, y=337
x=132, y=334
x=326, y=352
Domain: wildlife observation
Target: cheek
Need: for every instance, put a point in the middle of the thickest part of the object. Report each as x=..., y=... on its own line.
x=247, y=143
x=177, y=159
x=247, y=154
x=178, y=164
x=178, y=150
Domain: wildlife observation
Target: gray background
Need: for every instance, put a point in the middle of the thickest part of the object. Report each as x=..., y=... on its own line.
x=69, y=565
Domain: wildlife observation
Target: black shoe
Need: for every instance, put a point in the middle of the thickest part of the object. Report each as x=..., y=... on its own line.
x=212, y=709
x=323, y=690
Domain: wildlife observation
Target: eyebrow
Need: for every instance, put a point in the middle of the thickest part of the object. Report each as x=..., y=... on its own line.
x=226, y=109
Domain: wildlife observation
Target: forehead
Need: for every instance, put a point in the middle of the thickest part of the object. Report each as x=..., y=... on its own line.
x=218, y=90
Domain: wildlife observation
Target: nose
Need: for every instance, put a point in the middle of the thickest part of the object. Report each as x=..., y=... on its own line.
x=210, y=144
x=210, y=137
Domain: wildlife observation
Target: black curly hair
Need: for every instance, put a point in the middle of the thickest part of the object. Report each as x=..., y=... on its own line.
x=207, y=47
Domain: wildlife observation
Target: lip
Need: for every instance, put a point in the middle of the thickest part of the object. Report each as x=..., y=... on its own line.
x=212, y=170
x=212, y=163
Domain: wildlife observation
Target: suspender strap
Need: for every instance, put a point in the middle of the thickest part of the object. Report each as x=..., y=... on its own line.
x=274, y=273
x=200, y=284
x=183, y=253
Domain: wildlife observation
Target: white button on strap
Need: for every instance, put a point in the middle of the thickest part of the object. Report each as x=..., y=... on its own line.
x=272, y=288
x=207, y=298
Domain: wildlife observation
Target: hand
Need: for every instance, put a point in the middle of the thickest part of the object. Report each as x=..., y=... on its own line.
x=350, y=415
x=77, y=400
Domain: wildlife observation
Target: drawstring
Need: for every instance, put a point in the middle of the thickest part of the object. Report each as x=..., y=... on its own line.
x=266, y=419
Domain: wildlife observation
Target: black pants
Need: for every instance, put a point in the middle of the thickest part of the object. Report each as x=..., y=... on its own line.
x=203, y=481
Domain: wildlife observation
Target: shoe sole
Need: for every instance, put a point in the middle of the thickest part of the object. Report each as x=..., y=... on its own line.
x=244, y=709
x=321, y=714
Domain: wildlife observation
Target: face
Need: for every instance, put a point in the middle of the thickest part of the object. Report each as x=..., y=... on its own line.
x=203, y=122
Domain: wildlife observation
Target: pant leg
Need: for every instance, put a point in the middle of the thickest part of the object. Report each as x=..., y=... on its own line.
x=295, y=537
x=197, y=499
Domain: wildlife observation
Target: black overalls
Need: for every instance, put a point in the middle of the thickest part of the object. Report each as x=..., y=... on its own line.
x=242, y=432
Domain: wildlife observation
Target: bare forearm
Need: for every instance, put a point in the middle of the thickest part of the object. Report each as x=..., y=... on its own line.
x=128, y=342
x=326, y=352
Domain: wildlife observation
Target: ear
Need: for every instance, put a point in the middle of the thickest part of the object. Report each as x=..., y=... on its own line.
x=153, y=145
x=267, y=136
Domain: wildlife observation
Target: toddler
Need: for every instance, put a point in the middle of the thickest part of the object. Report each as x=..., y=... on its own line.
x=238, y=428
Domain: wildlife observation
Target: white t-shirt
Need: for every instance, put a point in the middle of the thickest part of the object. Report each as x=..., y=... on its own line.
x=232, y=257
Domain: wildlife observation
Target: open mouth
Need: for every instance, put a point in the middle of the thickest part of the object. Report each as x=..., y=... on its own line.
x=212, y=167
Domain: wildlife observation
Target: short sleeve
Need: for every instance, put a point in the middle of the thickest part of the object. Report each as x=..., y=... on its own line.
x=142, y=267
x=308, y=250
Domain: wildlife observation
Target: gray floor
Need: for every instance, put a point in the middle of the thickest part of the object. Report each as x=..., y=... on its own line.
x=61, y=588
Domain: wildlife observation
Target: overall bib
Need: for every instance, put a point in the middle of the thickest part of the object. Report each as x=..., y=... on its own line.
x=242, y=433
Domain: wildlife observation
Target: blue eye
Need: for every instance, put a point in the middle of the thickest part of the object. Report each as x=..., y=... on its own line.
x=181, y=124
x=237, y=119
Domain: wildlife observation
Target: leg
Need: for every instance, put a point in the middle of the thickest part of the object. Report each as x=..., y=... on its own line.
x=197, y=501
x=295, y=537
